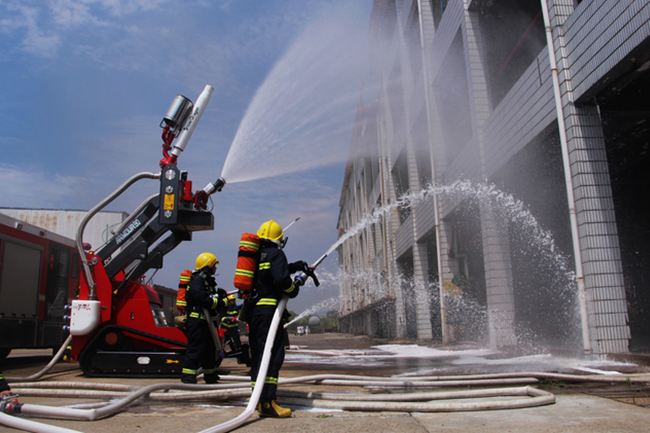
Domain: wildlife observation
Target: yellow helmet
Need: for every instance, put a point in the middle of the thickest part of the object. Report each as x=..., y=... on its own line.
x=270, y=230
x=231, y=297
x=206, y=259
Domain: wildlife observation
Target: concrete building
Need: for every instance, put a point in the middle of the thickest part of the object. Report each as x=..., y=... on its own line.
x=535, y=231
x=66, y=222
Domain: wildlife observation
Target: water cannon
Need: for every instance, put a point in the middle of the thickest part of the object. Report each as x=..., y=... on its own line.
x=180, y=121
x=177, y=114
x=201, y=197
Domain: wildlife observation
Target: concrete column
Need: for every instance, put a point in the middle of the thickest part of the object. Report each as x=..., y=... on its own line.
x=498, y=281
x=496, y=249
x=598, y=235
x=601, y=258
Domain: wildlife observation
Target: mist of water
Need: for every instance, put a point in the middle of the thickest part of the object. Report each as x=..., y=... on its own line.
x=533, y=242
x=326, y=305
x=302, y=115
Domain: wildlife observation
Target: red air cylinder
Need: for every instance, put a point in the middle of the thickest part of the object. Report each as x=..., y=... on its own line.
x=247, y=258
x=181, y=303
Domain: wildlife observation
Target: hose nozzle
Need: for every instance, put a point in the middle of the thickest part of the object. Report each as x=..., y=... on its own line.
x=219, y=184
x=211, y=188
x=201, y=198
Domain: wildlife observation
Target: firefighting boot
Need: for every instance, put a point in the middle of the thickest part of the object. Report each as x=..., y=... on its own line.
x=211, y=378
x=273, y=409
x=188, y=378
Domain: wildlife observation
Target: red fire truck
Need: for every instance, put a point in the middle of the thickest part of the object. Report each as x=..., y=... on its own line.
x=39, y=275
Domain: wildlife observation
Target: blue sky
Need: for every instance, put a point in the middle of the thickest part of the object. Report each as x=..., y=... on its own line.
x=85, y=83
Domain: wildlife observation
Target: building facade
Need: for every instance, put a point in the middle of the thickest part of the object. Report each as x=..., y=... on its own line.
x=99, y=229
x=494, y=188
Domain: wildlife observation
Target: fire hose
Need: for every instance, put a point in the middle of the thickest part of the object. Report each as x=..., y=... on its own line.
x=394, y=402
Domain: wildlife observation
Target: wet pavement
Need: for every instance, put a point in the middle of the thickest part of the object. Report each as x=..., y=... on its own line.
x=578, y=407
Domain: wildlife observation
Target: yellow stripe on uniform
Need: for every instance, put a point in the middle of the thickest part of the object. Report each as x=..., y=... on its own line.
x=290, y=289
x=267, y=301
x=249, y=245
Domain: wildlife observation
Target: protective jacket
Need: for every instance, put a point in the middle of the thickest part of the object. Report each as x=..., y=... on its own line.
x=273, y=278
x=202, y=293
x=232, y=311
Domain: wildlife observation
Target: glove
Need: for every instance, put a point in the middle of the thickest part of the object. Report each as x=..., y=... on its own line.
x=222, y=293
x=297, y=266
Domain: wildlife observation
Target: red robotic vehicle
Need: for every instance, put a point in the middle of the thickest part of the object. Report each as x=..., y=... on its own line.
x=117, y=322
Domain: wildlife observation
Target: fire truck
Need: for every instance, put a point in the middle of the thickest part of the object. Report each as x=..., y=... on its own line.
x=39, y=275
x=117, y=322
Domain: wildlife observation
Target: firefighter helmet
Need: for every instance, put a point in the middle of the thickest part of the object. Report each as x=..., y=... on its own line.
x=206, y=259
x=231, y=297
x=270, y=230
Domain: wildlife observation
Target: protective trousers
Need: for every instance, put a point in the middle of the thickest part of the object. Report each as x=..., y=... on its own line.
x=235, y=340
x=201, y=352
x=259, y=325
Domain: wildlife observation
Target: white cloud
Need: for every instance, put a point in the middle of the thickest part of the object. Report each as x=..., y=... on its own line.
x=36, y=189
x=23, y=19
x=70, y=13
x=77, y=12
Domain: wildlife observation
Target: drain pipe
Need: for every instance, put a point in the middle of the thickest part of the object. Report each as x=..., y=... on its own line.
x=582, y=295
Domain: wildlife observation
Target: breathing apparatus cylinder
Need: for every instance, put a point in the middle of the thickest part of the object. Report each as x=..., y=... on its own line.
x=247, y=259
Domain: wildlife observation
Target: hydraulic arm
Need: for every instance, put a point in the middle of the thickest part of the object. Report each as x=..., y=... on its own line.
x=117, y=322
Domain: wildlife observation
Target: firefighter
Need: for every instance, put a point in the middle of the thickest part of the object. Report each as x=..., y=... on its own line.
x=5, y=390
x=202, y=293
x=272, y=281
x=231, y=324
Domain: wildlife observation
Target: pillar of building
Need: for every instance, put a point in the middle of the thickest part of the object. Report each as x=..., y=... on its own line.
x=496, y=249
x=597, y=232
x=498, y=280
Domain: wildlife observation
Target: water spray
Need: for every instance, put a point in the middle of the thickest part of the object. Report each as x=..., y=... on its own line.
x=291, y=223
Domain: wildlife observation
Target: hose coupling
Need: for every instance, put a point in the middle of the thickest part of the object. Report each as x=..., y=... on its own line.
x=10, y=405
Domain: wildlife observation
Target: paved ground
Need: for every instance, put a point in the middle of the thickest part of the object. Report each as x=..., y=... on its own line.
x=577, y=408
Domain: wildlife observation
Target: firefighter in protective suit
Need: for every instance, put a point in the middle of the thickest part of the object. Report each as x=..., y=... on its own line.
x=272, y=281
x=230, y=323
x=202, y=292
x=5, y=389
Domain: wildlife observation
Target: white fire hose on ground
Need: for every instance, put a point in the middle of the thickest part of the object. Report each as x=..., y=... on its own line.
x=415, y=401
x=387, y=402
